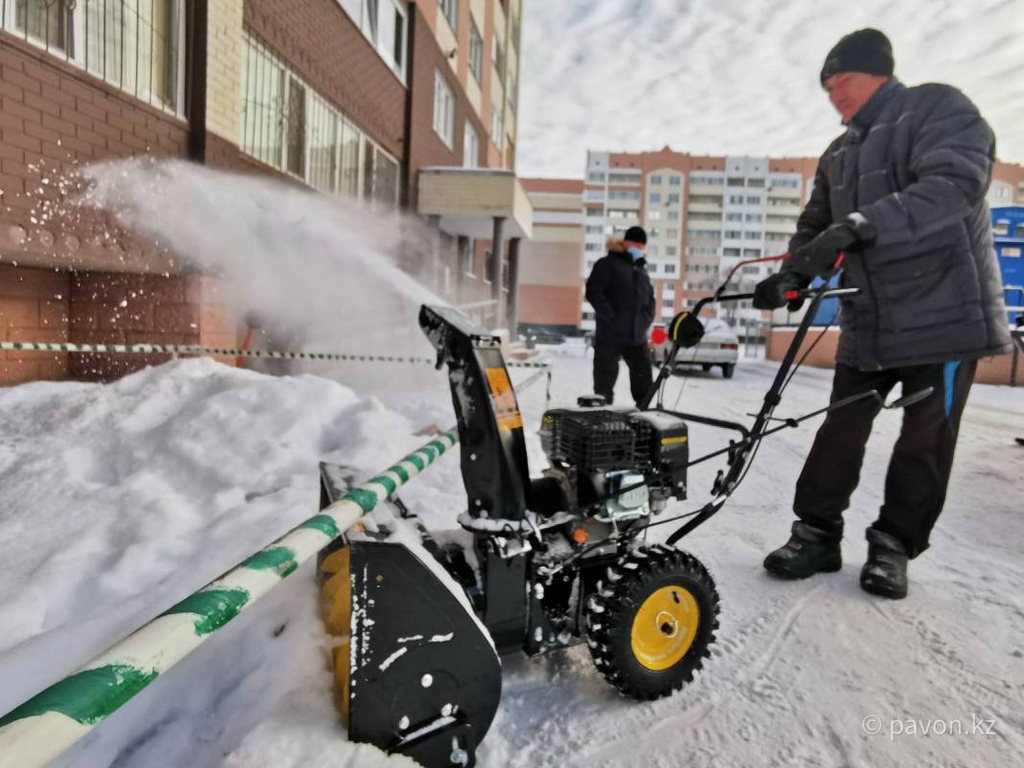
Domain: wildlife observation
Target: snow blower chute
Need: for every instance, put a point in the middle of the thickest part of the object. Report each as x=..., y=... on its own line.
x=552, y=561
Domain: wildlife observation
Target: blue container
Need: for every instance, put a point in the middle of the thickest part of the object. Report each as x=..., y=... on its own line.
x=1008, y=235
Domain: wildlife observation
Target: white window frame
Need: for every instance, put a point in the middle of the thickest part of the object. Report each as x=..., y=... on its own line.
x=444, y=110
x=470, y=141
x=449, y=9
x=476, y=51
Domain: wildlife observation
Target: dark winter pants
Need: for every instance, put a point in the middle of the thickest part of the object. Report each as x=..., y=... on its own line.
x=915, y=486
x=606, y=369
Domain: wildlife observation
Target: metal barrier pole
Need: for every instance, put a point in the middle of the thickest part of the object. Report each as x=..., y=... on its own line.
x=51, y=722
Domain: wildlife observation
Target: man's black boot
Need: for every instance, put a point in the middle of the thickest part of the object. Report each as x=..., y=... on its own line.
x=885, y=572
x=809, y=551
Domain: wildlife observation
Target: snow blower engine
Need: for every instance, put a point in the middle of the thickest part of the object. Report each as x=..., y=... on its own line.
x=540, y=563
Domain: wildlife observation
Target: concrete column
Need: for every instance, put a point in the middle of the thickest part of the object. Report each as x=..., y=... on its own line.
x=462, y=266
x=498, y=252
x=513, y=287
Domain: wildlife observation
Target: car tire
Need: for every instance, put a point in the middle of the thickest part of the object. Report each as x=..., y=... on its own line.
x=727, y=370
x=706, y=368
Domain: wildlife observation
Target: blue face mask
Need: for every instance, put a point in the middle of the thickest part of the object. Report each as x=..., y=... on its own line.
x=636, y=253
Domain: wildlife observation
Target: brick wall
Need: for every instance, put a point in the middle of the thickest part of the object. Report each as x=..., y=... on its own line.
x=117, y=308
x=54, y=118
x=317, y=38
x=34, y=305
x=550, y=304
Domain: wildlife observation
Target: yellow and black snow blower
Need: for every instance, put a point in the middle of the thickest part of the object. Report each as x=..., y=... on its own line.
x=552, y=561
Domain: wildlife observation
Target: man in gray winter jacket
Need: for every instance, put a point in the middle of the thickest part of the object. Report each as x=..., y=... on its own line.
x=902, y=194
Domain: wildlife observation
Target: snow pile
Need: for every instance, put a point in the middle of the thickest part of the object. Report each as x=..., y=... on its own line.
x=119, y=500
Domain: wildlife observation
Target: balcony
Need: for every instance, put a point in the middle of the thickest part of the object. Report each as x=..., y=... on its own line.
x=467, y=200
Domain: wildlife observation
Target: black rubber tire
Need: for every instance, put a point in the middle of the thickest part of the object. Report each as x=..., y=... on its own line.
x=610, y=611
x=705, y=367
x=727, y=370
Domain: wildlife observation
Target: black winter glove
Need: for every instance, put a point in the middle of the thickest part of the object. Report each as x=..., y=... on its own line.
x=771, y=292
x=818, y=257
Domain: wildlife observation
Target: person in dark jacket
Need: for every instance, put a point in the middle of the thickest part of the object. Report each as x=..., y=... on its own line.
x=620, y=292
x=902, y=194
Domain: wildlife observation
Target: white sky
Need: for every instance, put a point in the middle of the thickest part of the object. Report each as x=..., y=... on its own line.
x=741, y=76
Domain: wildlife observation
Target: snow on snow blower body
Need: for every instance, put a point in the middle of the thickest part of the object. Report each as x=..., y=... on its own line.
x=556, y=560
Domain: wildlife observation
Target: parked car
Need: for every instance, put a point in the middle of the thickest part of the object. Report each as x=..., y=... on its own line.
x=719, y=348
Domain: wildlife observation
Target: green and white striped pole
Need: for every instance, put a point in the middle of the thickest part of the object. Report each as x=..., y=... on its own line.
x=48, y=724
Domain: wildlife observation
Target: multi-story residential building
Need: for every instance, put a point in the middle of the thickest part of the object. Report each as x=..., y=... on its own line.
x=550, y=288
x=383, y=102
x=702, y=214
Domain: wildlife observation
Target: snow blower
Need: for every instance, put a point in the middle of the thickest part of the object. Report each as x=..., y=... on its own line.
x=554, y=561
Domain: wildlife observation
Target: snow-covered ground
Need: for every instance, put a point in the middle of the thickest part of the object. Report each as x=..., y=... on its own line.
x=116, y=501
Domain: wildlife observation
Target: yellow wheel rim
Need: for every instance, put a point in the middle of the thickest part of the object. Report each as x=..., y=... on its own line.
x=664, y=628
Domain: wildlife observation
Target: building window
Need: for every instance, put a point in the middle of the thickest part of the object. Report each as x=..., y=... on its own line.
x=730, y=251
x=655, y=197
x=751, y=235
x=756, y=183
x=653, y=215
x=595, y=230
x=444, y=110
x=753, y=199
x=470, y=147
x=489, y=267
x=734, y=217
x=498, y=57
x=755, y=217
x=592, y=247
x=289, y=126
x=752, y=252
x=476, y=51
x=668, y=289
x=673, y=199
x=135, y=45
x=588, y=315
x=670, y=250
x=673, y=215
x=595, y=177
x=498, y=126
x=624, y=178
x=733, y=181
x=670, y=269
x=450, y=9
x=672, y=234
x=733, y=234
x=655, y=181
x=675, y=181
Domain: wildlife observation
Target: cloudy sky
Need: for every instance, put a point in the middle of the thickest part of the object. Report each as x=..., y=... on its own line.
x=741, y=76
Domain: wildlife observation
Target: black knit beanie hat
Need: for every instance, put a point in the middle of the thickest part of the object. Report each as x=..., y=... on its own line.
x=636, y=235
x=866, y=50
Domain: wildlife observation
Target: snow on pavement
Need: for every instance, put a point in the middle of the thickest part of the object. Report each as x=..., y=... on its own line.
x=118, y=500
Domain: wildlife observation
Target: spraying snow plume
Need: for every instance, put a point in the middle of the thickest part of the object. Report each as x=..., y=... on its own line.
x=320, y=271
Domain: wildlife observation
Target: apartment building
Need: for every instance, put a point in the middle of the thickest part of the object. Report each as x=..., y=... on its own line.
x=702, y=214
x=349, y=97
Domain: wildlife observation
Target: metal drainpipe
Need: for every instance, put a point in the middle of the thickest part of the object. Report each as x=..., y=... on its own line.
x=197, y=24
x=405, y=194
